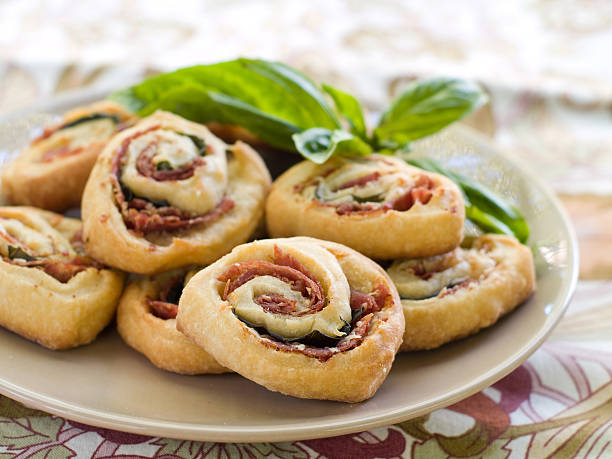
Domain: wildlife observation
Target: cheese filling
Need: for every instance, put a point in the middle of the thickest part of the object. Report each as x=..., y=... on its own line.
x=421, y=278
x=199, y=193
x=361, y=181
x=34, y=236
x=329, y=321
x=76, y=137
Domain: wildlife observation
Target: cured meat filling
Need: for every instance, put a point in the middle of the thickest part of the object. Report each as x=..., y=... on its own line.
x=166, y=306
x=372, y=192
x=144, y=216
x=91, y=133
x=62, y=270
x=289, y=270
x=440, y=275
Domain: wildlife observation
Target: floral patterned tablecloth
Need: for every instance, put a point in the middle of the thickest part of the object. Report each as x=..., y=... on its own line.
x=546, y=65
x=557, y=404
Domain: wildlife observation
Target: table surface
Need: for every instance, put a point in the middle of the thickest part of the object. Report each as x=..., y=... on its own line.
x=551, y=105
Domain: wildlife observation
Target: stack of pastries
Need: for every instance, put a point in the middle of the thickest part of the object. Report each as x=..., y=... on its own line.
x=365, y=256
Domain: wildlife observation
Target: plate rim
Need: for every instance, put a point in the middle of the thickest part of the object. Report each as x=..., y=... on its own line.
x=275, y=433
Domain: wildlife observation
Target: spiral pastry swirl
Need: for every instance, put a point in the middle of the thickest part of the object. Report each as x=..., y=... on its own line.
x=146, y=320
x=305, y=317
x=52, y=171
x=453, y=295
x=172, y=194
x=378, y=205
x=52, y=292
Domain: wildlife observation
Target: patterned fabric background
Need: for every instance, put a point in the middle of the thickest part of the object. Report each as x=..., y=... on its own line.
x=546, y=64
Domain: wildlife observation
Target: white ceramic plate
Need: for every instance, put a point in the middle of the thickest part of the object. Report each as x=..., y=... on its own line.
x=108, y=384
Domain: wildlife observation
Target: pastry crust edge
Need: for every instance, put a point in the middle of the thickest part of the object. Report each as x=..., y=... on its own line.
x=350, y=376
x=158, y=339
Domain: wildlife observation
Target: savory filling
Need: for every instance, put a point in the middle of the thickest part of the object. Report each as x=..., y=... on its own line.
x=291, y=310
x=166, y=305
x=166, y=180
x=362, y=186
x=74, y=137
x=25, y=244
x=440, y=275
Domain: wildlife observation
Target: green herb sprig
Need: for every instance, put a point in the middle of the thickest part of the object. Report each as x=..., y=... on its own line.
x=289, y=111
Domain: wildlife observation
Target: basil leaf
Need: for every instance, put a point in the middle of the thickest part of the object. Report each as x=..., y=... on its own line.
x=270, y=99
x=18, y=252
x=128, y=99
x=198, y=142
x=426, y=107
x=486, y=208
x=197, y=104
x=488, y=223
x=319, y=144
x=496, y=207
x=164, y=166
x=350, y=108
x=373, y=198
x=92, y=117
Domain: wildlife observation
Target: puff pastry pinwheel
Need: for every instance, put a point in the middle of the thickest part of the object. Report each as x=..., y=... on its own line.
x=146, y=320
x=51, y=292
x=167, y=193
x=377, y=205
x=450, y=296
x=52, y=171
x=308, y=318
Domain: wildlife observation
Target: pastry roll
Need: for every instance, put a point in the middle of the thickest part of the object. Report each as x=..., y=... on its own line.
x=378, y=205
x=146, y=320
x=167, y=193
x=450, y=296
x=51, y=292
x=52, y=171
x=304, y=317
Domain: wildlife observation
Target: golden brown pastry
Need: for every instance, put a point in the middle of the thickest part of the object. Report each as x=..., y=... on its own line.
x=450, y=296
x=51, y=292
x=167, y=193
x=146, y=320
x=308, y=318
x=378, y=205
x=52, y=171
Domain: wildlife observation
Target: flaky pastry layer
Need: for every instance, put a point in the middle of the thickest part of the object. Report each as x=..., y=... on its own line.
x=355, y=202
x=108, y=239
x=351, y=376
x=500, y=277
x=55, y=314
x=157, y=338
x=58, y=184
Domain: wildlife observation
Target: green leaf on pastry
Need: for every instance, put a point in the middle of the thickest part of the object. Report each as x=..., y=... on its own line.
x=319, y=144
